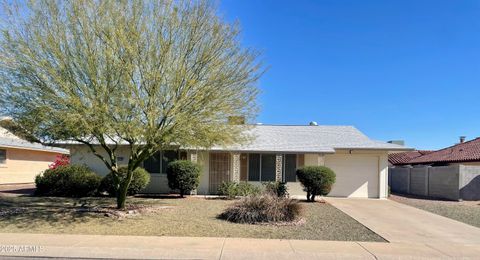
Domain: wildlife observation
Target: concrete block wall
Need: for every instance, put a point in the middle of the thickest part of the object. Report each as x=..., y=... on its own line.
x=470, y=182
x=444, y=182
x=419, y=181
x=455, y=182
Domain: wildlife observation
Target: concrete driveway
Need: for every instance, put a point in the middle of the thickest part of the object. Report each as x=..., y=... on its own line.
x=404, y=224
x=13, y=190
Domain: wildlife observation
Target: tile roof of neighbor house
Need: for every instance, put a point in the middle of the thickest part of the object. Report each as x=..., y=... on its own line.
x=405, y=157
x=463, y=152
x=8, y=140
x=308, y=139
x=318, y=138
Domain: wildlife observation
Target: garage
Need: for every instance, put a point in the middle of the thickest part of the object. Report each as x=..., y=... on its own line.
x=357, y=175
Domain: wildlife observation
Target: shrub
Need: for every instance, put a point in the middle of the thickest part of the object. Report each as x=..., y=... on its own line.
x=67, y=181
x=277, y=188
x=316, y=180
x=60, y=160
x=233, y=189
x=262, y=208
x=140, y=180
x=183, y=176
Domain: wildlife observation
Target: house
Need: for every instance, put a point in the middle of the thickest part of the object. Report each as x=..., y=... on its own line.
x=404, y=158
x=465, y=153
x=451, y=173
x=361, y=164
x=21, y=161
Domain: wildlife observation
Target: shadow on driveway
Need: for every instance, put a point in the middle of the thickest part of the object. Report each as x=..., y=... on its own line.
x=16, y=190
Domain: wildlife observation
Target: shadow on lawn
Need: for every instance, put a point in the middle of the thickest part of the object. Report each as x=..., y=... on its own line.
x=160, y=196
x=30, y=212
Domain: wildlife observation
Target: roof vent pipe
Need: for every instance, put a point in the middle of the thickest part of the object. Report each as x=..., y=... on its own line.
x=313, y=123
x=462, y=139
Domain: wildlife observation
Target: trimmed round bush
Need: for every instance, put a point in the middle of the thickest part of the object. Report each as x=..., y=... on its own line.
x=264, y=208
x=233, y=189
x=183, y=176
x=67, y=181
x=140, y=180
x=316, y=180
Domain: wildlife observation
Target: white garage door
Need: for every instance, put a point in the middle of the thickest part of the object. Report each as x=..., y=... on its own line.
x=357, y=175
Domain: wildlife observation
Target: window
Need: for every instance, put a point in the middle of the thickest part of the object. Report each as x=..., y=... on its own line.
x=261, y=167
x=3, y=156
x=152, y=164
x=167, y=157
x=159, y=161
x=290, y=168
x=254, y=167
x=268, y=167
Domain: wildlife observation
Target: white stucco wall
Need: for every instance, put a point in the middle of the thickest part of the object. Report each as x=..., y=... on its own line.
x=311, y=159
x=81, y=154
x=203, y=160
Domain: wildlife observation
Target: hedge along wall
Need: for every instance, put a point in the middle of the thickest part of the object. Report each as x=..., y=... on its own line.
x=457, y=182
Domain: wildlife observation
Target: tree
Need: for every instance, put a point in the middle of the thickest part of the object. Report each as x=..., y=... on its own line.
x=316, y=180
x=145, y=74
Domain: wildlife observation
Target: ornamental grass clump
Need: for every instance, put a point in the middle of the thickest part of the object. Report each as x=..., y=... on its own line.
x=264, y=208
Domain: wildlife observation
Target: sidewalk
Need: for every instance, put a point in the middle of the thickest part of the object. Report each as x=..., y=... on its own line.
x=139, y=247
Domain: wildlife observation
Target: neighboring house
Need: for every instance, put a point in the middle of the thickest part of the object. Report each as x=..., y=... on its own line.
x=21, y=161
x=451, y=173
x=404, y=158
x=465, y=153
x=361, y=164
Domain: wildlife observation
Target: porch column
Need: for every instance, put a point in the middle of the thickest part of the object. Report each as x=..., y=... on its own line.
x=236, y=167
x=194, y=158
x=278, y=167
x=321, y=160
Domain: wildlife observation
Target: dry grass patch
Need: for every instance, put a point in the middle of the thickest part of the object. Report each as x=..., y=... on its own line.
x=184, y=217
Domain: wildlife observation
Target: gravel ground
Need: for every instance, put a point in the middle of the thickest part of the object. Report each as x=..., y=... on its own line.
x=181, y=217
x=464, y=211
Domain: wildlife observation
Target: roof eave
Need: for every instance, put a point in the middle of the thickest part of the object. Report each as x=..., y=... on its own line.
x=55, y=150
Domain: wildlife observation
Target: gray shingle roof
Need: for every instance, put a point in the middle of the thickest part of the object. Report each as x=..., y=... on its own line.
x=18, y=143
x=321, y=138
x=307, y=139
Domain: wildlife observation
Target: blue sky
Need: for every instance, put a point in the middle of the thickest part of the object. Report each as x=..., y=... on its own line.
x=405, y=70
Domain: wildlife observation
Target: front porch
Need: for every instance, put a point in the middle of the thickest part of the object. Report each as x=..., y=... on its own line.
x=219, y=167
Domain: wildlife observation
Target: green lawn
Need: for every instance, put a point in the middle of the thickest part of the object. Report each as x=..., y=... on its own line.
x=465, y=211
x=183, y=217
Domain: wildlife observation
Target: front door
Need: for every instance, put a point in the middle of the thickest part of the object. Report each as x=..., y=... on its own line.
x=219, y=170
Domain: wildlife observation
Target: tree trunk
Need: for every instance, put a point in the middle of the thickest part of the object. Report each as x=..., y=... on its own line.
x=308, y=195
x=123, y=190
x=312, y=198
x=122, y=195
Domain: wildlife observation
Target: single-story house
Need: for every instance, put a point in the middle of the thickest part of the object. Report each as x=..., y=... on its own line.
x=361, y=164
x=21, y=161
x=465, y=153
